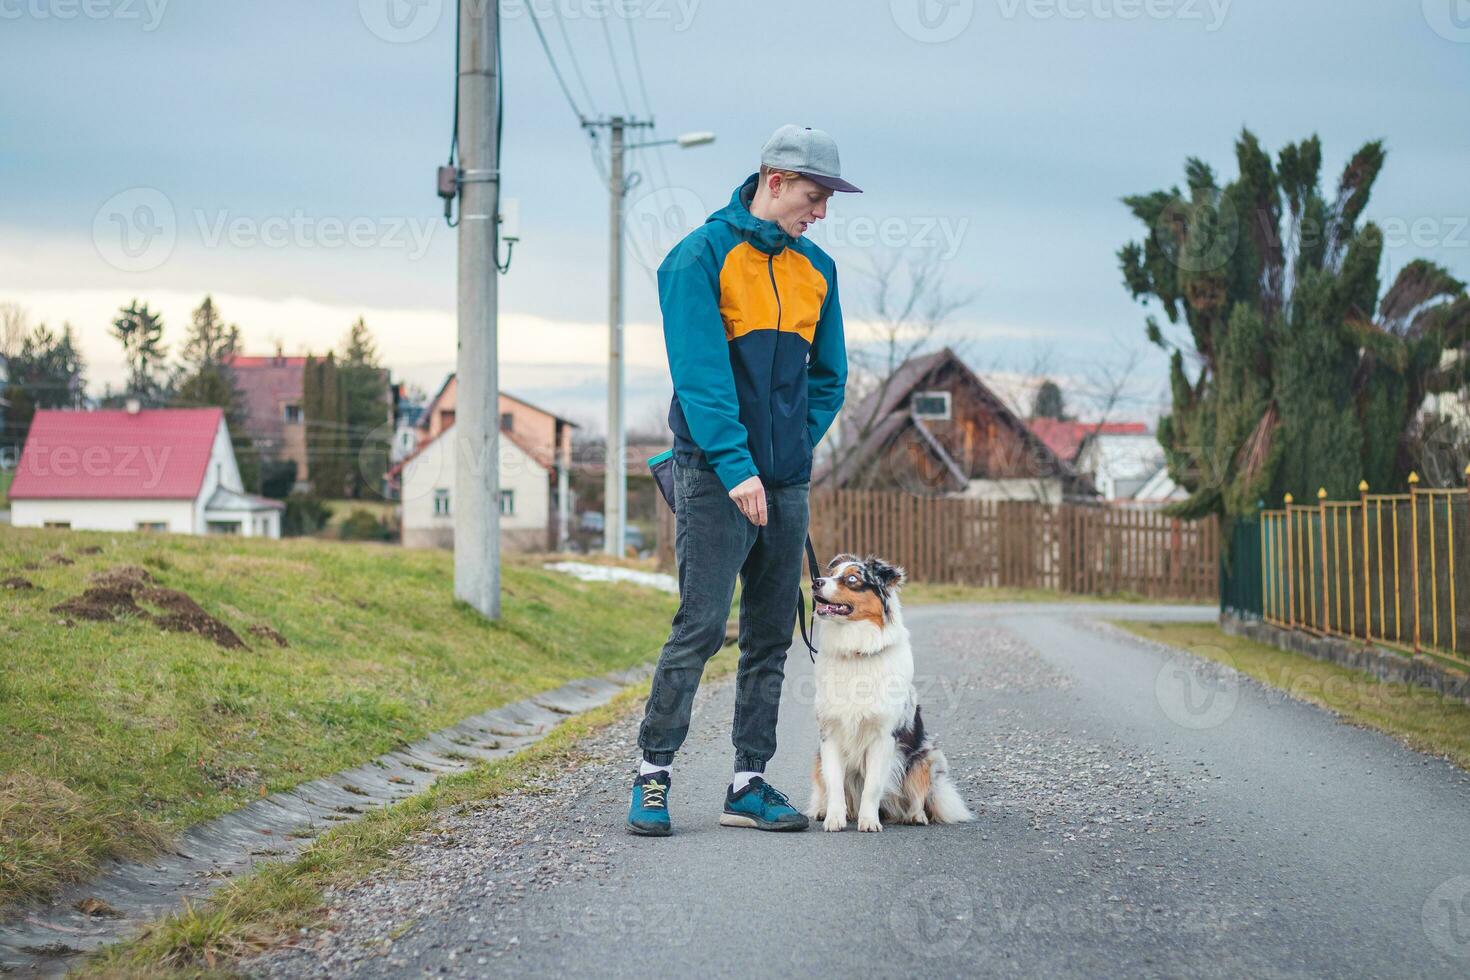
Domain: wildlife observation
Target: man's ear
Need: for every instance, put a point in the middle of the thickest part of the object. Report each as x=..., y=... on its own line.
x=891, y=576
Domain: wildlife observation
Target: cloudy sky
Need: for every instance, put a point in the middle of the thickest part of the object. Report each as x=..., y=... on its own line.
x=280, y=155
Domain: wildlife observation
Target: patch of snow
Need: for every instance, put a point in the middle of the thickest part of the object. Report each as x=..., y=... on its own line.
x=613, y=573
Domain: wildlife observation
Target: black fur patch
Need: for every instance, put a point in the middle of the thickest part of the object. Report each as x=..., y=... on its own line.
x=911, y=739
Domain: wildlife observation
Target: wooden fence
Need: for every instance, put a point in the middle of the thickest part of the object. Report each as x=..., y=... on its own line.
x=1080, y=548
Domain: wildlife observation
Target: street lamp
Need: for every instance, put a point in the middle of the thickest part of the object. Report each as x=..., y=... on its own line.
x=615, y=478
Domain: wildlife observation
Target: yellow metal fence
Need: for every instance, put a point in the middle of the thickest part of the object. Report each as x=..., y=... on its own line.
x=1389, y=568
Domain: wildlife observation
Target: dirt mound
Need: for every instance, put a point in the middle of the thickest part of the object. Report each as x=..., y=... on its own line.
x=58, y=558
x=117, y=591
x=91, y=549
x=16, y=582
x=266, y=633
x=100, y=603
x=123, y=576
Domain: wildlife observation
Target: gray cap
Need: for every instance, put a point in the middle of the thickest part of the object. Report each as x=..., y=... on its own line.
x=810, y=152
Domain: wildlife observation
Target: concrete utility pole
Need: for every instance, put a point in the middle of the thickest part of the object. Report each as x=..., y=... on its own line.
x=476, y=442
x=615, y=476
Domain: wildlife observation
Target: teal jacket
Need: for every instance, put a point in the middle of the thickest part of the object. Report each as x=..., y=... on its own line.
x=753, y=331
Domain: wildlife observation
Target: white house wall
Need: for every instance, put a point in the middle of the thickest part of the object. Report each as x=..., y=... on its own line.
x=434, y=469
x=106, y=515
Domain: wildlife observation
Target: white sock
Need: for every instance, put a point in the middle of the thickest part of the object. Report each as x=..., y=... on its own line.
x=742, y=779
x=645, y=767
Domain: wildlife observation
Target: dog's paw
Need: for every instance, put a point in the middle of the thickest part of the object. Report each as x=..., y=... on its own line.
x=922, y=819
x=869, y=824
x=813, y=813
x=834, y=822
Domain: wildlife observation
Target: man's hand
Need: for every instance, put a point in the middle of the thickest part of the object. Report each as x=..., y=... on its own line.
x=750, y=496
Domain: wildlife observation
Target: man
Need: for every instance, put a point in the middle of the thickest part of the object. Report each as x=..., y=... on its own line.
x=753, y=331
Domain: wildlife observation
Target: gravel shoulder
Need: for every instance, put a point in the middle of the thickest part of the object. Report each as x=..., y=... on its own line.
x=1127, y=826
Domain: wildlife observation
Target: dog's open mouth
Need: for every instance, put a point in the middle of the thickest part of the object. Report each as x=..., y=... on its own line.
x=832, y=608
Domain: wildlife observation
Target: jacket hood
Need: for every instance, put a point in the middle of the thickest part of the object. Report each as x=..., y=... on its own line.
x=762, y=234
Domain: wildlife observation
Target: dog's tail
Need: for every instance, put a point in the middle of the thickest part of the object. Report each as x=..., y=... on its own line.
x=944, y=803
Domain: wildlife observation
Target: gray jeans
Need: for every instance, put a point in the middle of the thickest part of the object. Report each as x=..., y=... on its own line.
x=713, y=543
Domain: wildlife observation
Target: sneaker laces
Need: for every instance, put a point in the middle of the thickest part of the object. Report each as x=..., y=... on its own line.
x=654, y=795
x=773, y=795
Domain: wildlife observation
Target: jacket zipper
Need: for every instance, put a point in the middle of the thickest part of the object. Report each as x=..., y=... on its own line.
x=771, y=268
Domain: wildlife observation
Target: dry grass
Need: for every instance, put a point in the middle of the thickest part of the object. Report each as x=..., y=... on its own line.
x=1418, y=717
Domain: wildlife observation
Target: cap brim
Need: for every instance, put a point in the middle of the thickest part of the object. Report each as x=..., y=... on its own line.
x=833, y=183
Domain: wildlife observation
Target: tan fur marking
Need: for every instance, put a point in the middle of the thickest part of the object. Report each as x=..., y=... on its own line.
x=916, y=787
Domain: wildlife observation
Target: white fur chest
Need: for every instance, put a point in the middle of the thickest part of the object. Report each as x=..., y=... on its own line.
x=860, y=695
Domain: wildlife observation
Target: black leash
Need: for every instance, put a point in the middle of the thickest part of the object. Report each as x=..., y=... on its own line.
x=811, y=564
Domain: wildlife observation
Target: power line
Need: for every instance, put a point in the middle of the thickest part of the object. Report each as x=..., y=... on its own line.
x=572, y=54
x=647, y=102
x=612, y=56
x=555, y=69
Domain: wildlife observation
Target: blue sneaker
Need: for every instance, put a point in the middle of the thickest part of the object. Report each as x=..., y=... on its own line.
x=762, y=806
x=648, y=814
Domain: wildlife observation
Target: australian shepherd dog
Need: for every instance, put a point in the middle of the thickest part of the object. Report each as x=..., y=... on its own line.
x=876, y=759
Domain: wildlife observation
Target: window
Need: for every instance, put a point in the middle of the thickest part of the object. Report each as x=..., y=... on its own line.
x=64, y=525
x=507, y=503
x=931, y=405
x=224, y=527
x=446, y=418
x=293, y=414
x=152, y=526
x=441, y=502
x=507, y=421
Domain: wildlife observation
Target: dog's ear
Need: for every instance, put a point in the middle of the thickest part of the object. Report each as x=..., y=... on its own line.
x=842, y=559
x=892, y=577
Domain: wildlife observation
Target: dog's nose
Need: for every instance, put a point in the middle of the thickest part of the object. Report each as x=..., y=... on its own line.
x=817, y=582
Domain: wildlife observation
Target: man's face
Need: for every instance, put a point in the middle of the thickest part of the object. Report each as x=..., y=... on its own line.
x=797, y=203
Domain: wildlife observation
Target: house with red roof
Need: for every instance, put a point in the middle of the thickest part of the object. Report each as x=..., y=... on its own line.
x=135, y=469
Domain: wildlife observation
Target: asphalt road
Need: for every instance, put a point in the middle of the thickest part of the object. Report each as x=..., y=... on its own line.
x=1140, y=814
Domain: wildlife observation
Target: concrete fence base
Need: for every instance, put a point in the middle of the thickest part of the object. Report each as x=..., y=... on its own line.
x=1384, y=664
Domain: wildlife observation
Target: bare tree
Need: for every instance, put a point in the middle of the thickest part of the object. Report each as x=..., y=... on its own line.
x=15, y=323
x=907, y=305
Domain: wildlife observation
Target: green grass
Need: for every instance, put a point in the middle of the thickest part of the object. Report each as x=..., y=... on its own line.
x=6, y=477
x=115, y=735
x=262, y=908
x=338, y=510
x=1420, y=718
